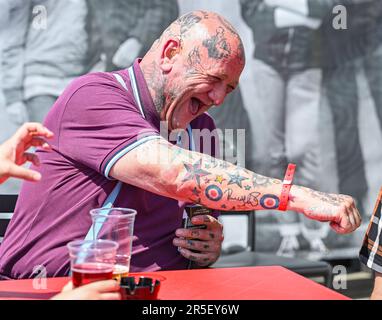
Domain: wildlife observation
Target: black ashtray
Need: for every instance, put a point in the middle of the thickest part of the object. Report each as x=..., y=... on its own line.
x=144, y=289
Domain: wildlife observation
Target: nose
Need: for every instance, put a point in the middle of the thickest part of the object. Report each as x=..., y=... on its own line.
x=218, y=94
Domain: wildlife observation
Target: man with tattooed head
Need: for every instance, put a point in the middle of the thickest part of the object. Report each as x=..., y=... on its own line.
x=114, y=143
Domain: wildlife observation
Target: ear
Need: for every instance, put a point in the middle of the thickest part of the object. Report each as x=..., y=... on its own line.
x=169, y=53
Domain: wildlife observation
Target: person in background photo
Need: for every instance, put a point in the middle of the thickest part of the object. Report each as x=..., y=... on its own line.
x=6, y=127
x=40, y=59
x=44, y=48
x=105, y=39
x=17, y=14
x=157, y=16
x=372, y=59
x=346, y=52
x=285, y=114
x=55, y=52
x=296, y=39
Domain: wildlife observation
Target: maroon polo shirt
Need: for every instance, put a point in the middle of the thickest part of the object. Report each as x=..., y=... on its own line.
x=95, y=121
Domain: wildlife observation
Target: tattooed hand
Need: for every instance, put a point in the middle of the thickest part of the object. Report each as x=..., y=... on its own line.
x=339, y=210
x=207, y=241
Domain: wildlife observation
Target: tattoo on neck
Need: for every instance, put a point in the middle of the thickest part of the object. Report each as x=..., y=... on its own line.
x=156, y=84
x=174, y=91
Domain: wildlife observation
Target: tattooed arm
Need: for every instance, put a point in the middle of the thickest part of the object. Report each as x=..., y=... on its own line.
x=170, y=171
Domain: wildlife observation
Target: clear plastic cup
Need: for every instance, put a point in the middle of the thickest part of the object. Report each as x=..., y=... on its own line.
x=91, y=260
x=116, y=224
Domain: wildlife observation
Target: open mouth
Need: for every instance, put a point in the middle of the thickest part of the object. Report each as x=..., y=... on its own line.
x=195, y=106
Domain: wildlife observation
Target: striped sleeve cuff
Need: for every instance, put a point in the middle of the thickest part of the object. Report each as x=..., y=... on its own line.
x=119, y=154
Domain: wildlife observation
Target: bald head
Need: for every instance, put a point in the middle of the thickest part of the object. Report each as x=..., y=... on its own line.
x=210, y=30
x=195, y=63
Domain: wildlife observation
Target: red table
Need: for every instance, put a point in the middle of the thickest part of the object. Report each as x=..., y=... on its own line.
x=252, y=283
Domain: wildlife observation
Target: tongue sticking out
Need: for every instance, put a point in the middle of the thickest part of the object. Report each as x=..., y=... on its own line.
x=194, y=106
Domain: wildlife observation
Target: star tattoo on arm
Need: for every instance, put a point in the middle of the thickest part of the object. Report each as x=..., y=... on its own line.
x=195, y=171
x=237, y=179
x=219, y=179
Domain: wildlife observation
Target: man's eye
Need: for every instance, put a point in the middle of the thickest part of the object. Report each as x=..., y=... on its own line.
x=216, y=78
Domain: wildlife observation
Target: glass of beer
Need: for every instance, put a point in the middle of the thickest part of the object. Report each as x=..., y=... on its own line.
x=116, y=224
x=91, y=261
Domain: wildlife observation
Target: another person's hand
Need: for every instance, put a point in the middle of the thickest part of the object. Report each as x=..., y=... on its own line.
x=99, y=290
x=339, y=210
x=207, y=241
x=13, y=152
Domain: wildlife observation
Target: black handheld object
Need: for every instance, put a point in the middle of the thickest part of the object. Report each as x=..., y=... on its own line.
x=192, y=211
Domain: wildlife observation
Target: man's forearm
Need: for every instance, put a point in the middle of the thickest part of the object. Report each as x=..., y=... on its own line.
x=199, y=178
x=221, y=185
x=177, y=173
